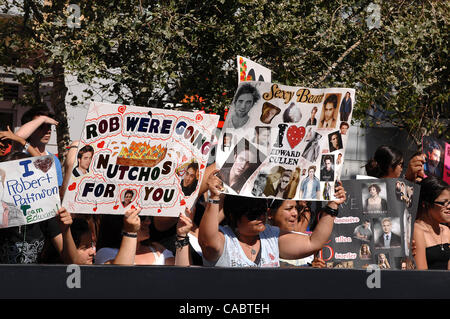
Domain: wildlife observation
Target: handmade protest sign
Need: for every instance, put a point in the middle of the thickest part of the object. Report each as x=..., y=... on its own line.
x=284, y=142
x=249, y=70
x=133, y=156
x=29, y=191
x=374, y=226
x=437, y=154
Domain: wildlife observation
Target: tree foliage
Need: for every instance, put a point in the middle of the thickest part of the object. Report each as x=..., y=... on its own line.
x=394, y=53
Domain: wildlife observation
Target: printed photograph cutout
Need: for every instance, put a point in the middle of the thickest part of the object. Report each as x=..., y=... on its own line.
x=128, y=196
x=242, y=162
x=330, y=111
x=189, y=175
x=386, y=232
x=84, y=159
x=374, y=198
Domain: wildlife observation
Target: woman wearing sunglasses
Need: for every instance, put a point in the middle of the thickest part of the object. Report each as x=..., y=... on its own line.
x=247, y=241
x=431, y=231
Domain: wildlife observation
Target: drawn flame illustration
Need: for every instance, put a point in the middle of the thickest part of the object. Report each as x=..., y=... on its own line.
x=141, y=154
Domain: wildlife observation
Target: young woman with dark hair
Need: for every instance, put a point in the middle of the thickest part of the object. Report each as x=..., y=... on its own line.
x=431, y=231
x=387, y=162
x=248, y=241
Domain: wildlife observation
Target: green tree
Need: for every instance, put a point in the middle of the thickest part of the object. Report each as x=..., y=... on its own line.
x=394, y=53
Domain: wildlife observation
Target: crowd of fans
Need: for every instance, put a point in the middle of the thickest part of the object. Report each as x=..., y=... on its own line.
x=220, y=230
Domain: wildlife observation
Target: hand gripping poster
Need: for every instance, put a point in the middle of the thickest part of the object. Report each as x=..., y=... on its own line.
x=374, y=226
x=284, y=142
x=131, y=157
x=29, y=191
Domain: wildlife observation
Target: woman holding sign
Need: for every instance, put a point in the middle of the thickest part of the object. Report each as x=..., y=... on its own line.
x=248, y=241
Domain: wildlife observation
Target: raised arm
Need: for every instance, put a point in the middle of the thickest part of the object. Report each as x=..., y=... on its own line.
x=295, y=246
x=9, y=135
x=211, y=240
x=28, y=128
x=127, y=250
x=64, y=243
x=415, y=171
x=184, y=226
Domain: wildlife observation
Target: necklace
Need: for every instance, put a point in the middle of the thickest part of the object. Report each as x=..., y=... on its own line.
x=440, y=235
x=252, y=250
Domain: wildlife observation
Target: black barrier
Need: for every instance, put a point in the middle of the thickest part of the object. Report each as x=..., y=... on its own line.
x=155, y=282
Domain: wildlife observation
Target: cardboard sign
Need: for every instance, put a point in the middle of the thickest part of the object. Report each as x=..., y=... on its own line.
x=29, y=191
x=284, y=142
x=437, y=154
x=139, y=157
x=374, y=226
x=252, y=71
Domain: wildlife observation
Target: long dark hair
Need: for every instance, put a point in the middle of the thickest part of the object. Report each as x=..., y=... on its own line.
x=385, y=157
x=234, y=207
x=110, y=231
x=430, y=189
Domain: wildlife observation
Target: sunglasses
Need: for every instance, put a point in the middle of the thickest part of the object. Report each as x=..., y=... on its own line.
x=254, y=215
x=444, y=203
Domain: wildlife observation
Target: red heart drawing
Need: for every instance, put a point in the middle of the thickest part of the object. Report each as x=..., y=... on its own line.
x=182, y=202
x=159, y=210
x=101, y=144
x=115, y=207
x=122, y=109
x=199, y=118
x=94, y=209
x=133, y=207
x=295, y=135
x=202, y=166
x=72, y=186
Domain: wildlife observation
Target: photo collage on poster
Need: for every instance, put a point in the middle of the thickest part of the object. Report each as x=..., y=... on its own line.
x=437, y=157
x=136, y=157
x=374, y=226
x=284, y=142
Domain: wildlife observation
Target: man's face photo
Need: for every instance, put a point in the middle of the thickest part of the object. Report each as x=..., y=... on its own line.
x=227, y=140
x=344, y=129
x=85, y=160
x=127, y=198
x=328, y=111
x=434, y=157
x=262, y=136
x=386, y=225
x=328, y=164
x=311, y=173
x=285, y=180
x=189, y=177
x=259, y=185
x=241, y=163
x=243, y=104
x=335, y=141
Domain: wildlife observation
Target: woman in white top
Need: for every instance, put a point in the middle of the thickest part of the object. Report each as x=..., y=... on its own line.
x=125, y=241
x=248, y=241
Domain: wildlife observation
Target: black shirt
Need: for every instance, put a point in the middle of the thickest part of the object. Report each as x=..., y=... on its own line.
x=24, y=244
